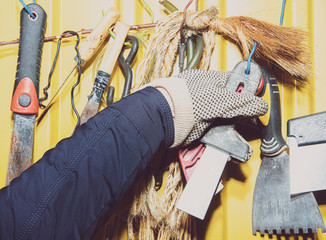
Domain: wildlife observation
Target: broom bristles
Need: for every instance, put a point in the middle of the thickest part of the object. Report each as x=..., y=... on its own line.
x=280, y=45
x=284, y=46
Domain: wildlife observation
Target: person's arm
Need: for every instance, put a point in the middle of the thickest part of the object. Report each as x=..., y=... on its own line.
x=75, y=187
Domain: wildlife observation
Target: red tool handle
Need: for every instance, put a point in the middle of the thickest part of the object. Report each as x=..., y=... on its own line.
x=189, y=157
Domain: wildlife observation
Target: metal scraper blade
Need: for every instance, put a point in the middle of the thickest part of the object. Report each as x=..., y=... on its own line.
x=274, y=211
x=202, y=185
x=305, y=214
x=307, y=167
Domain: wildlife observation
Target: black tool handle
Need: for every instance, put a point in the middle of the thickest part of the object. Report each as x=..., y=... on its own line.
x=29, y=59
x=273, y=142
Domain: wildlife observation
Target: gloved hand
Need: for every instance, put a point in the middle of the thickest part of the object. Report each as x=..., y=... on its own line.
x=198, y=98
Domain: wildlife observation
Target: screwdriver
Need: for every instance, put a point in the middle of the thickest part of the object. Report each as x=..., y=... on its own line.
x=89, y=47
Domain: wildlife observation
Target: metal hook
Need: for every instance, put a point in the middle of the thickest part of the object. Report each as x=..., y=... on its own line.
x=194, y=54
x=124, y=64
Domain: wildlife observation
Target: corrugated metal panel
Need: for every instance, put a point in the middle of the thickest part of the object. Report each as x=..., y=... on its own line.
x=230, y=217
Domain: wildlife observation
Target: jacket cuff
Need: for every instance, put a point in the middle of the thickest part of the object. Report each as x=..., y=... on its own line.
x=176, y=92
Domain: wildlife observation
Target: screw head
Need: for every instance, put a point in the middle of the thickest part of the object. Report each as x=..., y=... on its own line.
x=24, y=100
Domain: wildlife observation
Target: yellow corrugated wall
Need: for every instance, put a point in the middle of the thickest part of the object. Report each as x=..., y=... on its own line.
x=230, y=219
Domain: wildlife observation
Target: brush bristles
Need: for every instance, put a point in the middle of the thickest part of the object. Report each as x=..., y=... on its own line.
x=285, y=46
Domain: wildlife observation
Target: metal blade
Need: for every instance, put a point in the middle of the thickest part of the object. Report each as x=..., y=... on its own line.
x=202, y=185
x=21, y=149
x=274, y=211
x=305, y=214
x=271, y=196
x=307, y=167
x=89, y=111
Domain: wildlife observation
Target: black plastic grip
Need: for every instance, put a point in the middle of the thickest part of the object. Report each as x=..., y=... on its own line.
x=30, y=50
x=101, y=81
x=273, y=142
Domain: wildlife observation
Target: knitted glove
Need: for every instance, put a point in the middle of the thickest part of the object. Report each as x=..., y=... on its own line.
x=198, y=98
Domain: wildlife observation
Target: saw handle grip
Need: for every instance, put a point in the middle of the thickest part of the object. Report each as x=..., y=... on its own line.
x=97, y=36
x=25, y=94
x=273, y=142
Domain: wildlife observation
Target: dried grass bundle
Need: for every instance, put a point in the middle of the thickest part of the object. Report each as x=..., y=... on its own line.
x=155, y=217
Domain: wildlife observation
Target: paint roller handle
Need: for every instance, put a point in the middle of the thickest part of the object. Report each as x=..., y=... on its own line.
x=273, y=142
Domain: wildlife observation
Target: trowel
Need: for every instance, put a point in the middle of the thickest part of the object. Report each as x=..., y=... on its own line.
x=274, y=211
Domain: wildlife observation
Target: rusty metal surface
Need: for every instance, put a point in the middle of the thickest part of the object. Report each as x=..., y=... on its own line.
x=21, y=149
x=89, y=111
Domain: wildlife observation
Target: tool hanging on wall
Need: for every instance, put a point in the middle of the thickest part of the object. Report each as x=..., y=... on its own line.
x=25, y=103
x=125, y=66
x=273, y=209
x=306, y=137
x=88, y=48
x=105, y=70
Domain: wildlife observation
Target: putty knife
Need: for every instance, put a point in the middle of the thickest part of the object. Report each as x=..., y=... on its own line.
x=306, y=137
x=273, y=209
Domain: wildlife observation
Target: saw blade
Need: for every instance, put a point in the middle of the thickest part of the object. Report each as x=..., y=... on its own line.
x=21, y=150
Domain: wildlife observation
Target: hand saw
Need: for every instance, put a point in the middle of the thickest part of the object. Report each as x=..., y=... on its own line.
x=273, y=209
x=25, y=104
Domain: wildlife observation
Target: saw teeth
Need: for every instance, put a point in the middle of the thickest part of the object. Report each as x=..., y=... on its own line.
x=287, y=231
x=279, y=231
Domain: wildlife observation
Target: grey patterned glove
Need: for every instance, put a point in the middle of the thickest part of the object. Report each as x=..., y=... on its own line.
x=199, y=97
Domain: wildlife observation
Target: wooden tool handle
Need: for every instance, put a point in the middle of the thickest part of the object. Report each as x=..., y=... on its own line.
x=97, y=36
x=114, y=47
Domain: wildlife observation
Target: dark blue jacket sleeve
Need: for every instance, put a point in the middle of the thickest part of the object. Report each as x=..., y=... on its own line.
x=76, y=186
